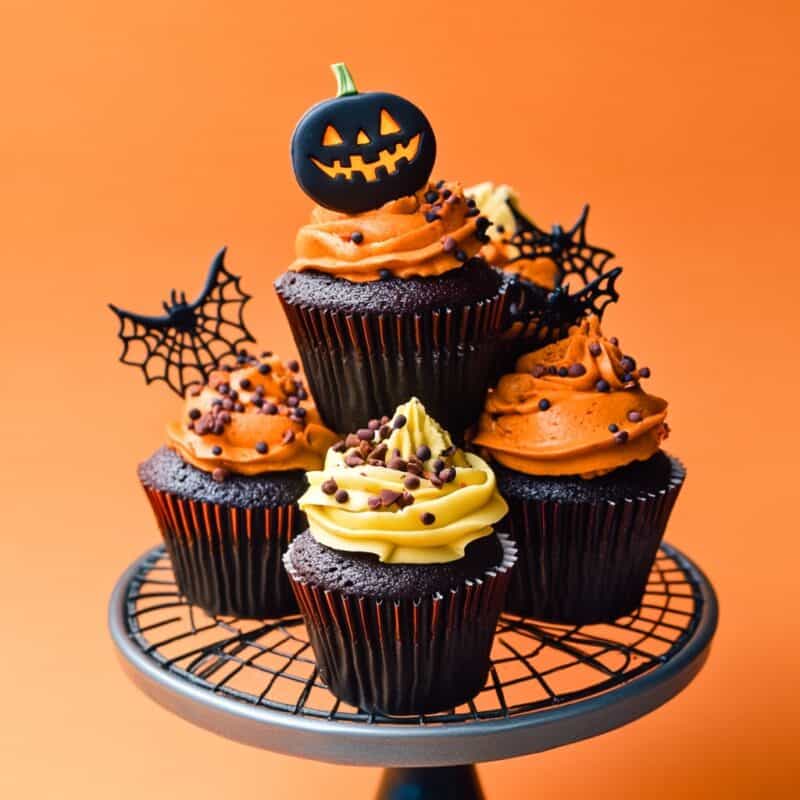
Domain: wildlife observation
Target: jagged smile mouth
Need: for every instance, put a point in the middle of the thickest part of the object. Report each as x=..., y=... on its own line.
x=389, y=159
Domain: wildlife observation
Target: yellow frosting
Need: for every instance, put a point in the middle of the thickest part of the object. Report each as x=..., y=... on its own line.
x=463, y=509
x=492, y=199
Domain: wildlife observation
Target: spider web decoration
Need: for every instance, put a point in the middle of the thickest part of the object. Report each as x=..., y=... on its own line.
x=574, y=258
x=182, y=346
x=569, y=249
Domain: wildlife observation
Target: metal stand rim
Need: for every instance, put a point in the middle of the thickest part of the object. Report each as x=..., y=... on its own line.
x=407, y=746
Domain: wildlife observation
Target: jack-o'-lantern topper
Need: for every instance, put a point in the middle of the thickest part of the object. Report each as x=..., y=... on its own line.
x=356, y=151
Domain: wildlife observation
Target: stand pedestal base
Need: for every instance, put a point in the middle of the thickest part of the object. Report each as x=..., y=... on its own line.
x=430, y=783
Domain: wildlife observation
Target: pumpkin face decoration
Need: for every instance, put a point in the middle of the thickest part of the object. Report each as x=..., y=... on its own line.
x=356, y=152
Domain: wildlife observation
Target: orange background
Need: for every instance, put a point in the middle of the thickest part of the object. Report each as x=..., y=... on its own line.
x=137, y=138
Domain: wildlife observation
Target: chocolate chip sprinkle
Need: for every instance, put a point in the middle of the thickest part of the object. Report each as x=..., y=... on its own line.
x=449, y=244
x=603, y=386
x=544, y=404
x=576, y=370
x=427, y=518
x=595, y=349
x=356, y=237
x=388, y=497
x=563, y=372
x=385, y=274
x=447, y=475
x=620, y=437
x=461, y=256
x=329, y=486
x=293, y=365
x=216, y=450
x=399, y=421
x=423, y=452
x=245, y=384
x=261, y=447
x=644, y=372
x=364, y=434
x=613, y=427
x=411, y=482
x=373, y=503
x=438, y=465
x=264, y=369
x=195, y=413
x=341, y=496
x=635, y=416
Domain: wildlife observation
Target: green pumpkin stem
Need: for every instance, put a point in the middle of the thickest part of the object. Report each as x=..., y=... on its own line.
x=344, y=80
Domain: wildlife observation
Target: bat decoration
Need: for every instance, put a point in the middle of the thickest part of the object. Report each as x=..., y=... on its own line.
x=567, y=248
x=182, y=346
x=357, y=151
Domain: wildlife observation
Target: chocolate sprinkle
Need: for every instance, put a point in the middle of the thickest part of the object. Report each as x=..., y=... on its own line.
x=356, y=237
x=216, y=450
x=293, y=365
x=365, y=434
x=644, y=372
x=411, y=482
x=341, y=496
x=620, y=437
x=544, y=404
x=423, y=452
x=613, y=427
x=329, y=486
x=449, y=244
x=595, y=349
x=427, y=518
x=195, y=413
x=388, y=497
x=261, y=447
x=374, y=503
x=635, y=416
x=399, y=421
x=265, y=369
x=447, y=475
x=603, y=386
x=576, y=370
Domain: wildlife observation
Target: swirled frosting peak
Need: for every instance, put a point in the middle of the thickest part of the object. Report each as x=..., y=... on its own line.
x=252, y=419
x=575, y=407
x=400, y=489
x=427, y=233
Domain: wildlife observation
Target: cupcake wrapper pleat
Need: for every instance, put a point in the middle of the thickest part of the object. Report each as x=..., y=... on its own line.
x=401, y=657
x=360, y=367
x=581, y=563
x=228, y=560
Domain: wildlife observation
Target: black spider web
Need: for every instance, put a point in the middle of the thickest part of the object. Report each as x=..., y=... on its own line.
x=183, y=346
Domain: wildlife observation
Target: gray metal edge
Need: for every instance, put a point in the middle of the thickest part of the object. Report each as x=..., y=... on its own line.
x=364, y=744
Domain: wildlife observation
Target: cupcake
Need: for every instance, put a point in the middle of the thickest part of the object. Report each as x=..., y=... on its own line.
x=401, y=575
x=387, y=297
x=224, y=489
x=576, y=444
x=557, y=277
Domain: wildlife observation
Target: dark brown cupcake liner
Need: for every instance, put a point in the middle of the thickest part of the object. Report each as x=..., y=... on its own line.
x=228, y=560
x=401, y=657
x=360, y=367
x=586, y=562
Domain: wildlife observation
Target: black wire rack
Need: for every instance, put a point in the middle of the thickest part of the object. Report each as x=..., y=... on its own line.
x=536, y=666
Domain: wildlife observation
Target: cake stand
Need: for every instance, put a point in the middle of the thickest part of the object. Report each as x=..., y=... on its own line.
x=256, y=681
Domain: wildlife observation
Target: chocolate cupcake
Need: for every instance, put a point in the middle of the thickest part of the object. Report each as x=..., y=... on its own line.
x=576, y=445
x=401, y=576
x=387, y=297
x=224, y=490
x=556, y=277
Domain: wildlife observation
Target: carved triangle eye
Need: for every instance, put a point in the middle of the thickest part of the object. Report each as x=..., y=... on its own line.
x=388, y=124
x=331, y=137
x=362, y=138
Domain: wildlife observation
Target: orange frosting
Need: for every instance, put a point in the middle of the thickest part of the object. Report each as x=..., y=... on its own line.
x=542, y=271
x=397, y=237
x=232, y=425
x=541, y=422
